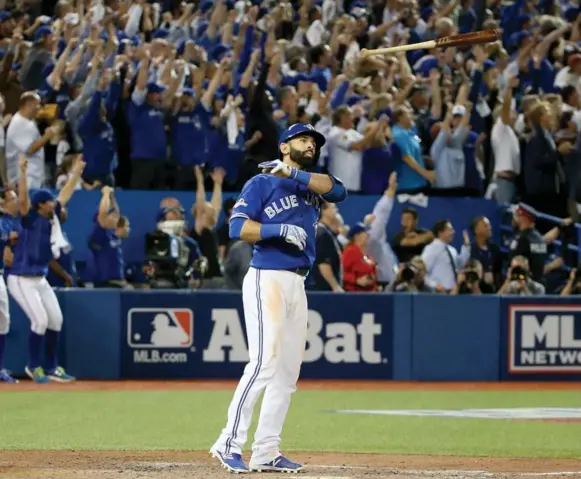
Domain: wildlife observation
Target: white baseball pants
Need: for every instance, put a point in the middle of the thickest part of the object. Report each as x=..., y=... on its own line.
x=275, y=311
x=4, y=310
x=38, y=301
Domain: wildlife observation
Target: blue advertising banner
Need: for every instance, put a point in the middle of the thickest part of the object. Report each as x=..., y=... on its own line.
x=202, y=335
x=542, y=337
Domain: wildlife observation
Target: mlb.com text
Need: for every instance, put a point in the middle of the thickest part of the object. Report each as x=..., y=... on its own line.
x=156, y=357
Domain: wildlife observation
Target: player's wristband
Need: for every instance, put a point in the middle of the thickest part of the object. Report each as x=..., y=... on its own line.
x=270, y=231
x=301, y=176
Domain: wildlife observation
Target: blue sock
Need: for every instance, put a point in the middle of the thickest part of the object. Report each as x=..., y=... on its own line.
x=34, y=349
x=51, y=349
x=2, y=344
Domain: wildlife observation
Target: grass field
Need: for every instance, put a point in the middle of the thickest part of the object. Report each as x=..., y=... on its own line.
x=168, y=428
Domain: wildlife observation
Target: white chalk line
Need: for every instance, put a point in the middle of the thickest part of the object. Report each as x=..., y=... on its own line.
x=419, y=472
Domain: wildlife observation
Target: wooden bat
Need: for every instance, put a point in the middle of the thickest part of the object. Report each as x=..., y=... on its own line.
x=461, y=40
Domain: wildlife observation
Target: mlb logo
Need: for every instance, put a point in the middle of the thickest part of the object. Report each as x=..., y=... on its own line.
x=544, y=339
x=160, y=328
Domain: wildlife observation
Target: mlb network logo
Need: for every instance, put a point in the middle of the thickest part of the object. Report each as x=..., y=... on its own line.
x=160, y=328
x=544, y=339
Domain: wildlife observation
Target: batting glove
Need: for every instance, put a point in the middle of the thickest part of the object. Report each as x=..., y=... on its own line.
x=294, y=235
x=276, y=167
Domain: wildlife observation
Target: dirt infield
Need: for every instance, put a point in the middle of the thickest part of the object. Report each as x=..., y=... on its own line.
x=198, y=464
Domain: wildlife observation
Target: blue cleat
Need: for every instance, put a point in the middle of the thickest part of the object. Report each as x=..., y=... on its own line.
x=6, y=378
x=59, y=375
x=280, y=464
x=231, y=462
x=36, y=374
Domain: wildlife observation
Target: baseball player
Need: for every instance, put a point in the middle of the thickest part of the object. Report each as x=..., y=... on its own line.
x=27, y=282
x=8, y=234
x=276, y=211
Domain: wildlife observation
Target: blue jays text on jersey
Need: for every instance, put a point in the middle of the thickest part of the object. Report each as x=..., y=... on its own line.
x=33, y=250
x=271, y=200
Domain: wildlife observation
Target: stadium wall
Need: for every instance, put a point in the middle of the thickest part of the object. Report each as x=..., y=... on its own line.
x=108, y=334
x=142, y=206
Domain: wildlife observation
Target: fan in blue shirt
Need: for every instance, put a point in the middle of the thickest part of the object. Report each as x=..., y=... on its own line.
x=39, y=242
x=109, y=229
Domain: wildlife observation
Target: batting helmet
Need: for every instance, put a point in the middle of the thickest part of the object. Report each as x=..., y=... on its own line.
x=299, y=129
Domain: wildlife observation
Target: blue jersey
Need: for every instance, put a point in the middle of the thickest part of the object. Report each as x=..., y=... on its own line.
x=8, y=224
x=33, y=252
x=271, y=200
x=107, y=255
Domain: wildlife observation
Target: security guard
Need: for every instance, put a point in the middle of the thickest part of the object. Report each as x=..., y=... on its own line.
x=529, y=242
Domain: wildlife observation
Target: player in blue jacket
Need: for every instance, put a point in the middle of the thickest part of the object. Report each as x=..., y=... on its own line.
x=39, y=241
x=278, y=212
x=8, y=235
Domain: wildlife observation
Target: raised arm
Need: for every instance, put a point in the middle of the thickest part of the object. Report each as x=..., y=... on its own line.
x=107, y=202
x=70, y=186
x=23, y=198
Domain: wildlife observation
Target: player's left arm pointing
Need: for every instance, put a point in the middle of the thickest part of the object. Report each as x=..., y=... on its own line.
x=70, y=186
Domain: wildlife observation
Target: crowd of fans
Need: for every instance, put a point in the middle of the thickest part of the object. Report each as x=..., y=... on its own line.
x=193, y=96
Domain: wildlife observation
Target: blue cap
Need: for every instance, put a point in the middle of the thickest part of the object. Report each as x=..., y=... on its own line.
x=41, y=196
x=522, y=19
x=188, y=92
x=153, y=87
x=161, y=33
x=182, y=46
x=4, y=15
x=357, y=228
x=517, y=38
x=206, y=6
x=219, y=51
x=299, y=129
x=41, y=32
x=16, y=66
x=488, y=64
x=353, y=100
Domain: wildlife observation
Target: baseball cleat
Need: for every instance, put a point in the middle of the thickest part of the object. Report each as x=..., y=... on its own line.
x=6, y=378
x=231, y=462
x=59, y=375
x=280, y=464
x=36, y=374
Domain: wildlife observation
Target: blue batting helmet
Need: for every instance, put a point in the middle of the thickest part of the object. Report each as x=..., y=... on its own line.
x=299, y=129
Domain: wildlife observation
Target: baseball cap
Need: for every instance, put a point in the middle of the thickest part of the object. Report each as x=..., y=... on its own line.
x=41, y=196
x=188, y=92
x=357, y=228
x=4, y=15
x=458, y=110
x=299, y=129
x=525, y=210
x=153, y=87
x=41, y=33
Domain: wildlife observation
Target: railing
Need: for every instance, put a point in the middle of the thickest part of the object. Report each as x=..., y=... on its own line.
x=506, y=211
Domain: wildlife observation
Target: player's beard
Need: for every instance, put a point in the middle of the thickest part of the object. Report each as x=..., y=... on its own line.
x=302, y=158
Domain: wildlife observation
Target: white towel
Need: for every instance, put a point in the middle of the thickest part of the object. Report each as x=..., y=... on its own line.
x=232, y=127
x=58, y=242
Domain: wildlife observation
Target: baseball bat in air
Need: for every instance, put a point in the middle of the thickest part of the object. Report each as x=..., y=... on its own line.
x=460, y=40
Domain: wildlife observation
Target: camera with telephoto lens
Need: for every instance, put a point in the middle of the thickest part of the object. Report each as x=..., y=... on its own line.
x=167, y=256
x=409, y=272
x=518, y=273
x=472, y=277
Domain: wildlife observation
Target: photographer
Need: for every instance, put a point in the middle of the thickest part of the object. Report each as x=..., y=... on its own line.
x=411, y=278
x=519, y=281
x=471, y=280
x=573, y=286
x=174, y=259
